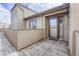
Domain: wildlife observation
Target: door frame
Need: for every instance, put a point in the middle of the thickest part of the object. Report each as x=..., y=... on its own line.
x=46, y=30
x=49, y=26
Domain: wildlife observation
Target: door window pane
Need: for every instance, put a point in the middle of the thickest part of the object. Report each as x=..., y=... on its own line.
x=53, y=22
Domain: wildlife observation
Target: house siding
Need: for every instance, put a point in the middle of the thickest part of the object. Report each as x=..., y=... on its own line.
x=39, y=22
x=27, y=12
x=17, y=17
x=14, y=19
x=74, y=26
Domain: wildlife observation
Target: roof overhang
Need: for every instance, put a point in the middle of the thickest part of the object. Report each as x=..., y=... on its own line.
x=64, y=7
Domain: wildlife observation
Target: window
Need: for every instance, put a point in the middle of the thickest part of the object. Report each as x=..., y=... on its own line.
x=33, y=23
x=53, y=22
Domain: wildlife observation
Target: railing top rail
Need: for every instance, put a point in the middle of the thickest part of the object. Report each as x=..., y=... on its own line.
x=29, y=29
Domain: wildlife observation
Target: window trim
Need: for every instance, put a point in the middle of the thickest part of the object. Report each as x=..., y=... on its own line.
x=30, y=24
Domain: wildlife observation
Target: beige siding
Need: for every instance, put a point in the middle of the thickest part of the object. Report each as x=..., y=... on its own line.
x=39, y=22
x=27, y=12
x=66, y=28
x=74, y=26
x=14, y=19
x=44, y=28
x=27, y=24
x=20, y=20
x=17, y=19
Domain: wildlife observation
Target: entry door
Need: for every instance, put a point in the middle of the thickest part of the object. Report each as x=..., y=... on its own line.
x=53, y=28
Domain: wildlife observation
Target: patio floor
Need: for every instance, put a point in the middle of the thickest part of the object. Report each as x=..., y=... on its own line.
x=41, y=48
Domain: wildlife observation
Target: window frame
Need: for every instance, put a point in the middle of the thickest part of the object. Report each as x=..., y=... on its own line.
x=32, y=24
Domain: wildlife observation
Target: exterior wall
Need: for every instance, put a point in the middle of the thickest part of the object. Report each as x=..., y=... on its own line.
x=27, y=12
x=39, y=22
x=66, y=28
x=20, y=20
x=14, y=19
x=27, y=24
x=44, y=27
x=74, y=26
x=17, y=19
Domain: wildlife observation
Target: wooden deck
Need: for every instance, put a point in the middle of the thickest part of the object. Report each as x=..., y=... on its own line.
x=41, y=48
